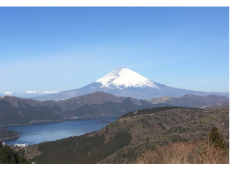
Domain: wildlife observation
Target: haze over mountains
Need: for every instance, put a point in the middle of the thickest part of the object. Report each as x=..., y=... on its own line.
x=216, y=105
x=127, y=83
x=27, y=94
x=190, y=100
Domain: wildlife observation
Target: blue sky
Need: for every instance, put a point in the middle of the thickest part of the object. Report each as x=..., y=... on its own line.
x=44, y=49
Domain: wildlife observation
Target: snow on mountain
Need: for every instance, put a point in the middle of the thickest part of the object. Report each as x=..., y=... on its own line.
x=27, y=94
x=124, y=77
x=49, y=92
x=31, y=92
x=127, y=83
x=8, y=93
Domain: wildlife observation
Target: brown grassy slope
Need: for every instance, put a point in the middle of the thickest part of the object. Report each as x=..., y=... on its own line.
x=185, y=153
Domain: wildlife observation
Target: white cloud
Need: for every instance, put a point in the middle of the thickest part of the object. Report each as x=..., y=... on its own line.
x=30, y=92
x=49, y=92
x=8, y=93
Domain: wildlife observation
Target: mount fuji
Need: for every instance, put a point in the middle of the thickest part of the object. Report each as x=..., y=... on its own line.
x=125, y=82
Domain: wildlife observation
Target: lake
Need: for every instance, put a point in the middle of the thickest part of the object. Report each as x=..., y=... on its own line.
x=37, y=133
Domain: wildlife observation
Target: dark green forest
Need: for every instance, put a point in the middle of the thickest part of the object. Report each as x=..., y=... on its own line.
x=148, y=111
x=8, y=156
x=81, y=149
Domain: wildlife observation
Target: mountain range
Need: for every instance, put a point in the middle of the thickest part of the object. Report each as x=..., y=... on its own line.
x=127, y=83
x=190, y=100
x=17, y=111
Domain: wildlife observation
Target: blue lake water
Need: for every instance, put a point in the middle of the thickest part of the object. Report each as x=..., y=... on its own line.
x=37, y=133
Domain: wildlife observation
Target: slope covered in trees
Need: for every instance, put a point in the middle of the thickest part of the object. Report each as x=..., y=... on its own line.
x=8, y=135
x=8, y=156
x=16, y=111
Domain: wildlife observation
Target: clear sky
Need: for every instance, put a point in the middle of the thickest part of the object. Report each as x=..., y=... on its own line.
x=44, y=49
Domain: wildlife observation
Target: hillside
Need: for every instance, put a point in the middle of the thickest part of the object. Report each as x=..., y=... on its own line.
x=132, y=134
x=6, y=135
x=216, y=105
x=185, y=153
x=8, y=156
x=16, y=111
x=190, y=100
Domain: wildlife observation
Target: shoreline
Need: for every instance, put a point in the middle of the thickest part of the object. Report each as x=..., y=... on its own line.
x=34, y=122
x=101, y=120
x=10, y=138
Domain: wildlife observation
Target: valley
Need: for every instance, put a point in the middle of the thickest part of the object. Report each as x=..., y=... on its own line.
x=42, y=132
x=15, y=111
x=125, y=139
x=103, y=128
x=97, y=124
x=27, y=112
x=114, y=84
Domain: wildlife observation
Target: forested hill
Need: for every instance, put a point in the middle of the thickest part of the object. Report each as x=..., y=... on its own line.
x=8, y=156
x=8, y=135
x=16, y=111
x=125, y=139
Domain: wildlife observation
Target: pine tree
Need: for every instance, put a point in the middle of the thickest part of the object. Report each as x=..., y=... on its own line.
x=8, y=156
x=216, y=139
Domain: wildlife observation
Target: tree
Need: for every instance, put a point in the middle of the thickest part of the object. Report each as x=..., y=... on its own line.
x=216, y=139
x=8, y=156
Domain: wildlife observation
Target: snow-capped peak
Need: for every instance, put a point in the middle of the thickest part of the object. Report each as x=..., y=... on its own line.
x=124, y=77
x=8, y=93
x=49, y=92
x=30, y=92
